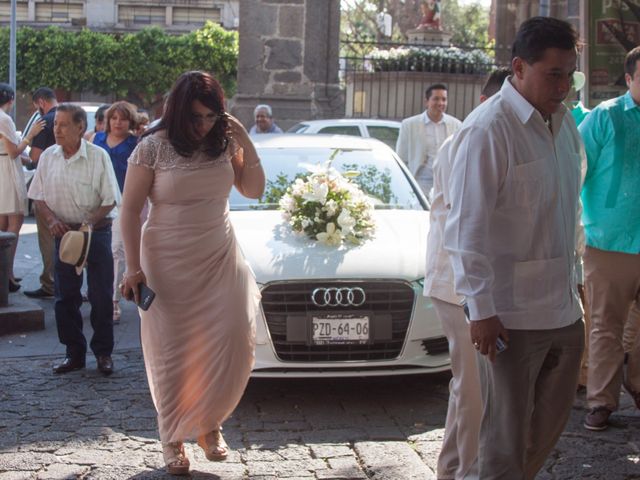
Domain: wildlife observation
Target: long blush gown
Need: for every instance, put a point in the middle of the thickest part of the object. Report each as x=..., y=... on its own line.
x=198, y=337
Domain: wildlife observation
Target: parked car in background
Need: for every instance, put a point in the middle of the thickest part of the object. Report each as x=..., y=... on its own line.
x=357, y=310
x=383, y=130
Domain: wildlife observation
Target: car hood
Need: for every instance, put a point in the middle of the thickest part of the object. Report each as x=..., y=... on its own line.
x=397, y=249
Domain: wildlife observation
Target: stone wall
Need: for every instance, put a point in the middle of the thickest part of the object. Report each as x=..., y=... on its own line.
x=289, y=59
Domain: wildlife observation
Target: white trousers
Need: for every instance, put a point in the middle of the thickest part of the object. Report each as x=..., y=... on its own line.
x=459, y=454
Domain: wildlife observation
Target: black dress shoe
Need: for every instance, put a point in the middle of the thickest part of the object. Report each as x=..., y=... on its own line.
x=13, y=286
x=105, y=364
x=39, y=293
x=69, y=365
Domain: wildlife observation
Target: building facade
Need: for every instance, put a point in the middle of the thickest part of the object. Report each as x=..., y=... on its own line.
x=177, y=16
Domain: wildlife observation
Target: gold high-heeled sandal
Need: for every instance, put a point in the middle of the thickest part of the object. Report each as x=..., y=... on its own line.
x=176, y=461
x=214, y=446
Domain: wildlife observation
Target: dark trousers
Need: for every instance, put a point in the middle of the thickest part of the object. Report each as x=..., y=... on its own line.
x=100, y=292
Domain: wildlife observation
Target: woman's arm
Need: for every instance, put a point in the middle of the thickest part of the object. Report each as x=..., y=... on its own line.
x=249, y=175
x=15, y=150
x=136, y=189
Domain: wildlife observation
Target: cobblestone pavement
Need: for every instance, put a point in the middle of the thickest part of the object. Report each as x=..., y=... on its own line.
x=83, y=425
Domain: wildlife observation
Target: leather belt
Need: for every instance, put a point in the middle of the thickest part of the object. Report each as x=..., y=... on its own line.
x=101, y=225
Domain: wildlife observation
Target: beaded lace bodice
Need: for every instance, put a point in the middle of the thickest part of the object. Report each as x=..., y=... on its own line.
x=155, y=152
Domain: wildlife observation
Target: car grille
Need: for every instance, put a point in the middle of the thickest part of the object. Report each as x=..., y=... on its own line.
x=387, y=298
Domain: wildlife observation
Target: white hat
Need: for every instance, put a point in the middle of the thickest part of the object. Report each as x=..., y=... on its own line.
x=74, y=247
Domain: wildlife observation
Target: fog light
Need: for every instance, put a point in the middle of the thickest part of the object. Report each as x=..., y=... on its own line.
x=436, y=346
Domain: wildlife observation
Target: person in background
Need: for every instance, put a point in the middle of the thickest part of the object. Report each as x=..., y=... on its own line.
x=511, y=235
x=611, y=218
x=198, y=335
x=13, y=192
x=573, y=102
x=421, y=136
x=90, y=203
x=45, y=101
x=100, y=122
x=142, y=121
x=458, y=458
x=118, y=141
x=264, y=121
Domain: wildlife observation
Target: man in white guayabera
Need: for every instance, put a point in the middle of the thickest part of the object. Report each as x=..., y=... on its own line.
x=511, y=236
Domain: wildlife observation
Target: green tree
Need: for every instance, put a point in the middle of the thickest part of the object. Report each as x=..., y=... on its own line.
x=140, y=66
x=469, y=23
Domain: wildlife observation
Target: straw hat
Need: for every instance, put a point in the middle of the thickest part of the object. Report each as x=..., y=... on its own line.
x=74, y=247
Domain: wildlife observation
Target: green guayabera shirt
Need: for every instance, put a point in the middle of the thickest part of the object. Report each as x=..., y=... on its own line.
x=611, y=192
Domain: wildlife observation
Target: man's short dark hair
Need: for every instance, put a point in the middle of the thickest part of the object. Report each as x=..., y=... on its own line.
x=538, y=34
x=44, y=93
x=435, y=86
x=631, y=59
x=78, y=115
x=494, y=81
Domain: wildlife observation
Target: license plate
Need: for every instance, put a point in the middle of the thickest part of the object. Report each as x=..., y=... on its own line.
x=340, y=329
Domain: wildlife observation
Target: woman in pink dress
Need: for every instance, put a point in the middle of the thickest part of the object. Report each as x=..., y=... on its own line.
x=198, y=334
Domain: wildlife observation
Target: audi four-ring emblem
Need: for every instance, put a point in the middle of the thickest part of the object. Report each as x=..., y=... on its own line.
x=338, y=297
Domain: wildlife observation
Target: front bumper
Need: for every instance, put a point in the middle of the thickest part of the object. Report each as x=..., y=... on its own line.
x=424, y=350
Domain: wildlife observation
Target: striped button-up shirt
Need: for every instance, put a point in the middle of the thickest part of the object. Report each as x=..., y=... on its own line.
x=76, y=187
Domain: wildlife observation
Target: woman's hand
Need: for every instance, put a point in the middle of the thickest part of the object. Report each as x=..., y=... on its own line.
x=35, y=129
x=236, y=129
x=130, y=285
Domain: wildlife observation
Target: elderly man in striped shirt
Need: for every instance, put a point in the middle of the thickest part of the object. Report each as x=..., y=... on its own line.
x=74, y=185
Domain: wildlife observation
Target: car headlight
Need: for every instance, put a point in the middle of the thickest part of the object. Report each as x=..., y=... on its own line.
x=419, y=283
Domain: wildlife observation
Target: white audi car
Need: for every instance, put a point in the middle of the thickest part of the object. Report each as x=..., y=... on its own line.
x=386, y=131
x=349, y=311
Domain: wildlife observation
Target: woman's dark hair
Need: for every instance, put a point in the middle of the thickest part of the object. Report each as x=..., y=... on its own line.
x=177, y=118
x=78, y=115
x=538, y=34
x=6, y=93
x=101, y=111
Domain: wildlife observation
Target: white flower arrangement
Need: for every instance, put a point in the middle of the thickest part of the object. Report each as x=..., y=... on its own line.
x=328, y=207
x=432, y=59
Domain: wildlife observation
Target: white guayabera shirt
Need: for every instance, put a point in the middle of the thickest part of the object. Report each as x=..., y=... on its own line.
x=512, y=228
x=76, y=187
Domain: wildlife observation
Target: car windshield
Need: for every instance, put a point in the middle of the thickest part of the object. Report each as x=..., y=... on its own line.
x=375, y=171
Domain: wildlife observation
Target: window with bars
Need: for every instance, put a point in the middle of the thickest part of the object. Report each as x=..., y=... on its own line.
x=141, y=15
x=22, y=11
x=195, y=15
x=58, y=12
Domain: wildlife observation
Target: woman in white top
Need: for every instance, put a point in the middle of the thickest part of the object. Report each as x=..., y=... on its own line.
x=13, y=191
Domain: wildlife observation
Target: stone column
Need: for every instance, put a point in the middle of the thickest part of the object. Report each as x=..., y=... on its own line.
x=289, y=59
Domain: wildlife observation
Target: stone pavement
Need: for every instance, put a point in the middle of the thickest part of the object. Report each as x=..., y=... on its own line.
x=86, y=426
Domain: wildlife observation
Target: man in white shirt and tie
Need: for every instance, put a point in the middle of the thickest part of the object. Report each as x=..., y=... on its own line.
x=422, y=135
x=511, y=237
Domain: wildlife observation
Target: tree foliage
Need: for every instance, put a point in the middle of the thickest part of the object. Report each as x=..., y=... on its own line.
x=469, y=23
x=139, y=65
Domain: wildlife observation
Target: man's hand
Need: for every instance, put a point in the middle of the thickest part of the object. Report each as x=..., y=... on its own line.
x=57, y=228
x=484, y=334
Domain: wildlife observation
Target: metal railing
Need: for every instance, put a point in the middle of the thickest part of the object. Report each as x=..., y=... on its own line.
x=388, y=80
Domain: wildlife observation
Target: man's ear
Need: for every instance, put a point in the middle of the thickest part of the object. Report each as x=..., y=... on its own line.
x=517, y=67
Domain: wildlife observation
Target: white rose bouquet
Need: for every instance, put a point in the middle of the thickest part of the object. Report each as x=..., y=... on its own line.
x=328, y=207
